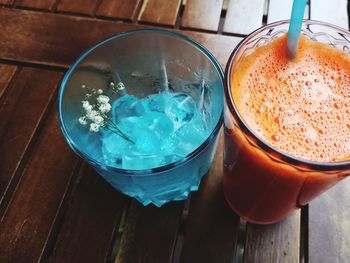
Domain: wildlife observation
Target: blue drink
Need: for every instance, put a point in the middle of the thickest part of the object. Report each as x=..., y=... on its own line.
x=149, y=127
x=157, y=135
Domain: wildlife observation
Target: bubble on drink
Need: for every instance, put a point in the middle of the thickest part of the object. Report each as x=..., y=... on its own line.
x=162, y=128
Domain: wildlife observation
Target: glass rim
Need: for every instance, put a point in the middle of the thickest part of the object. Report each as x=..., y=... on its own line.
x=140, y=172
x=323, y=166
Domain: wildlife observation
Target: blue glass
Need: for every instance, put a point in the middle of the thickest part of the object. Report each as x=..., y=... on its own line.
x=159, y=99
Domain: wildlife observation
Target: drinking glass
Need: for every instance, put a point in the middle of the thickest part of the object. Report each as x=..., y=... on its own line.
x=263, y=184
x=134, y=67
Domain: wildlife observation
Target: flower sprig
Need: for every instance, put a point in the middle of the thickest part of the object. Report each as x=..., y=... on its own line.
x=97, y=112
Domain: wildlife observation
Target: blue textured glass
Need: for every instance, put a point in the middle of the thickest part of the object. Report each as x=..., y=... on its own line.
x=157, y=132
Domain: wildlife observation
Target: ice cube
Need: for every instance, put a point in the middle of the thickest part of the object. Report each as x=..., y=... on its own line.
x=137, y=128
x=113, y=147
x=161, y=125
x=156, y=102
x=163, y=128
x=126, y=106
x=191, y=135
x=180, y=109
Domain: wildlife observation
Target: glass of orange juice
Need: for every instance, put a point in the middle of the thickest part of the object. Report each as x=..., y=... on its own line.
x=287, y=121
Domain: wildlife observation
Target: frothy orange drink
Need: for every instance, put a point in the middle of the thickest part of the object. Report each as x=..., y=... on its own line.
x=299, y=106
x=290, y=116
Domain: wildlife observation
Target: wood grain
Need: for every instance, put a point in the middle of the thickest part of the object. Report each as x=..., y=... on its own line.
x=90, y=222
x=6, y=2
x=6, y=74
x=42, y=45
x=278, y=242
x=37, y=4
x=29, y=217
x=202, y=14
x=118, y=8
x=23, y=106
x=36, y=43
x=77, y=6
x=243, y=16
x=334, y=12
x=212, y=227
x=150, y=233
x=159, y=11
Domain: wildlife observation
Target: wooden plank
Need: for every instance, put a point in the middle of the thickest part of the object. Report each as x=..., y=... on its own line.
x=6, y=74
x=159, y=12
x=118, y=8
x=278, y=242
x=279, y=11
x=329, y=225
x=150, y=233
x=90, y=222
x=244, y=16
x=211, y=227
x=220, y=46
x=37, y=4
x=29, y=217
x=43, y=46
x=202, y=14
x=334, y=12
x=77, y=6
x=329, y=214
x=6, y=2
x=30, y=89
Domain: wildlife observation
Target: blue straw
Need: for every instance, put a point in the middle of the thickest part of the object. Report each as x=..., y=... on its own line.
x=294, y=30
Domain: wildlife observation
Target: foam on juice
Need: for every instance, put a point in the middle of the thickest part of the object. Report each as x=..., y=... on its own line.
x=299, y=106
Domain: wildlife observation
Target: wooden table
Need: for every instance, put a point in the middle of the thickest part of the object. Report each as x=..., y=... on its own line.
x=54, y=208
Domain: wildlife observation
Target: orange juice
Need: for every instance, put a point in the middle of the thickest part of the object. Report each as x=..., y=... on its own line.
x=301, y=107
x=298, y=108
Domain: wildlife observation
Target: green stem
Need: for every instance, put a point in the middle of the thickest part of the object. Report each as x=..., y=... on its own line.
x=117, y=131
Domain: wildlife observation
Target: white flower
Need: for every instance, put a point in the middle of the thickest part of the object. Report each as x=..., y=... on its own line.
x=91, y=115
x=82, y=120
x=99, y=91
x=87, y=106
x=99, y=120
x=103, y=99
x=94, y=127
x=120, y=86
x=85, y=103
x=105, y=107
x=83, y=86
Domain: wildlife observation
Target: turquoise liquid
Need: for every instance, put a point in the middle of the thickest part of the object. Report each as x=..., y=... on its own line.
x=164, y=128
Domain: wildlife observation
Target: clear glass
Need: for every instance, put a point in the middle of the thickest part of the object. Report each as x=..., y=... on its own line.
x=262, y=184
x=138, y=66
